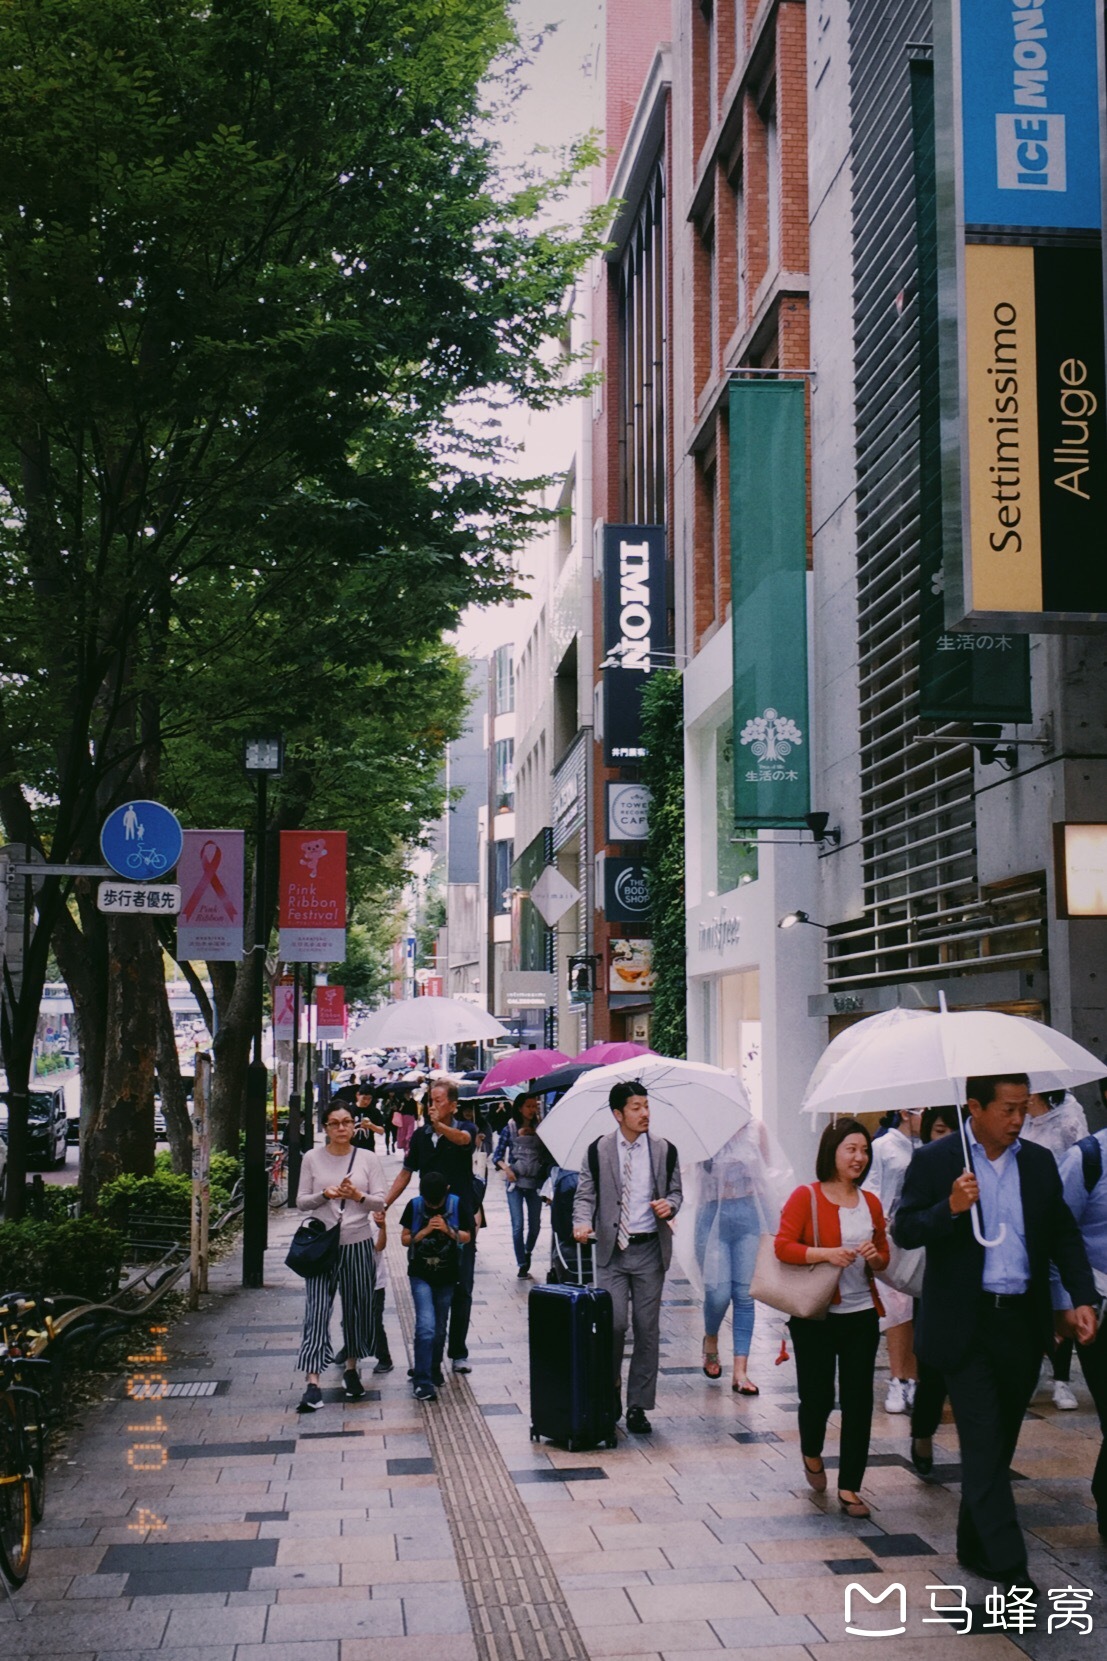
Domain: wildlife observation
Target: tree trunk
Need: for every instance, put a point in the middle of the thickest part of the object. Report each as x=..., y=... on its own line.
x=231, y=1051
x=121, y=1135
x=174, y=1102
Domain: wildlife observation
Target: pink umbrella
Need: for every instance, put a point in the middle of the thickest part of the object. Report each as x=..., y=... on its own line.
x=602, y=1055
x=523, y=1065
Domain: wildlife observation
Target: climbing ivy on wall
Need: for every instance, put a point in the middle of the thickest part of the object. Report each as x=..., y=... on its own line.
x=663, y=773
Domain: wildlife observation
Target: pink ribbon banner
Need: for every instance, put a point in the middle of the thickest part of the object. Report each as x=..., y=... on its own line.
x=210, y=876
x=330, y=1014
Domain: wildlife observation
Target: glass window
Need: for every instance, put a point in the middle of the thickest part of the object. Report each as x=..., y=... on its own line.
x=772, y=175
x=734, y=860
x=504, y=854
x=505, y=775
x=503, y=662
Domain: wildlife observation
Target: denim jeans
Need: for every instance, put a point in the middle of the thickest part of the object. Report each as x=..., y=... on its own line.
x=518, y=1200
x=727, y=1236
x=432, y=1309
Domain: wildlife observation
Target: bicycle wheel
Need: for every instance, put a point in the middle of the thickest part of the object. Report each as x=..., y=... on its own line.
x=278, y=1183
x=30, y=1412
x=15, y=1497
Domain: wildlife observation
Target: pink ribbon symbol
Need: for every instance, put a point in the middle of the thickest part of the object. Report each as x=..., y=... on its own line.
x=211, y=857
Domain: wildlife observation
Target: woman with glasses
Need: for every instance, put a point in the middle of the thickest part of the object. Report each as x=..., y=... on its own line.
x=345, y=1185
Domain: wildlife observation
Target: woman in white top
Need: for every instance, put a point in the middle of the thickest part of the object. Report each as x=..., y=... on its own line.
x=892, y=1153
x=342, y=1185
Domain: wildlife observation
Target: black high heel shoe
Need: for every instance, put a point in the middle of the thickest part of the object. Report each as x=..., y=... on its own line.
x=923, y=1462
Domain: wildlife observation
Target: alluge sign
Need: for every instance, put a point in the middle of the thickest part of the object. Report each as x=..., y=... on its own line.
x=1023, y=285
x=635, y=614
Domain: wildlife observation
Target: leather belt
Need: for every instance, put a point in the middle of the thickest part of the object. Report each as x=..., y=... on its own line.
x=1003, y=1300
x=640, y=1239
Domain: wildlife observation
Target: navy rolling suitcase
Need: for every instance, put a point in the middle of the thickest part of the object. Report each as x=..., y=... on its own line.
x=572, y=1398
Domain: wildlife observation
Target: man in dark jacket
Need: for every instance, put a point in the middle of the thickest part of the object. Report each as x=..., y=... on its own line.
x=985, y=1317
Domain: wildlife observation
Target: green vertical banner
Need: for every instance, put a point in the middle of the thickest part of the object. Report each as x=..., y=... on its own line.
x=962, y=677
x=768, y=565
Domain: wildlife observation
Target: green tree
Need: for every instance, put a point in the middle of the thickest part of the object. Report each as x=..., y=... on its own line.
x=663, y=772
x=259, y=277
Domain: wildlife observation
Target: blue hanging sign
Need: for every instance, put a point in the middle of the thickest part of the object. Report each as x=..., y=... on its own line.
x=141, y=840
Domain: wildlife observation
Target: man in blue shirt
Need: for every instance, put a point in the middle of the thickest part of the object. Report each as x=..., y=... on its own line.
x=1084, y=1179
x=985, y=1315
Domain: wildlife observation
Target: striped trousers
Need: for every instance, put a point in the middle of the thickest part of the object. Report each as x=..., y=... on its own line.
x=352, y=1277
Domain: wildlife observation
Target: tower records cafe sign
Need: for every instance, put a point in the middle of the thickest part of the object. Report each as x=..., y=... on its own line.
x=1024, y=463
x=635, y=617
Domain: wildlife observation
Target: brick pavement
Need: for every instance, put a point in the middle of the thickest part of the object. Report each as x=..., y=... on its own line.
x=353, y=1535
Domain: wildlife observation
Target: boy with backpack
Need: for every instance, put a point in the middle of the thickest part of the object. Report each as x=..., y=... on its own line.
x=435, y=1226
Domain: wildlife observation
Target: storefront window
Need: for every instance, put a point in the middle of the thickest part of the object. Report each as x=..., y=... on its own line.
x=735, y=860
x=740, y=1030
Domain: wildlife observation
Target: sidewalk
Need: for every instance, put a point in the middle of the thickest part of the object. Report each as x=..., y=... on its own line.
x=218, y=1525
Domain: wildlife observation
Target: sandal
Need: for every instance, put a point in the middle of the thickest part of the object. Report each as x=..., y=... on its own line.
x=854, y=1507
x=712, y=1366
x=744, y=1387
x=816, y=1479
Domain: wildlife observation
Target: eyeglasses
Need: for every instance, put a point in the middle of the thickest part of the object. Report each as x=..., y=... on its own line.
x=335, y=1120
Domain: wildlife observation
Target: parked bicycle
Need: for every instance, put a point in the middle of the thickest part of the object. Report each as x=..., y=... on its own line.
x=276, y=1160
x=22, y=1433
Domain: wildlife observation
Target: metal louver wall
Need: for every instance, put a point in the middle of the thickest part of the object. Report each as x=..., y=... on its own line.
x=923, y=909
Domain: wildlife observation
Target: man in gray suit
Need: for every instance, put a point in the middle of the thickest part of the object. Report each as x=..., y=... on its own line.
x=629, y=1188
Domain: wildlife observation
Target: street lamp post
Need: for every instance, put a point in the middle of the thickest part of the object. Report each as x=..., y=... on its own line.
x=264, y=758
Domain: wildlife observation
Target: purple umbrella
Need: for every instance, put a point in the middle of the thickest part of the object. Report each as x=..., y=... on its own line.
x=522, y=1066
x=602, y=1055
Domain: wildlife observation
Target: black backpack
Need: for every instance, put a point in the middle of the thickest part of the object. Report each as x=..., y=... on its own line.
x=437, y=1259
x=1091, y=1161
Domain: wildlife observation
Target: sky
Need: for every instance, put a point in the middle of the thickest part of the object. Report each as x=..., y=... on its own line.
x=556, y=107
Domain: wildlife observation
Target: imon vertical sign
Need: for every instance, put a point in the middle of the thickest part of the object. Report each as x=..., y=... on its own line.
x=635, y=630
x=312, y=908
x=1018, y=89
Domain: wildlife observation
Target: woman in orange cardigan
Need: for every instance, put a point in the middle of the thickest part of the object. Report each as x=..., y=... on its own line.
x=851, y=1236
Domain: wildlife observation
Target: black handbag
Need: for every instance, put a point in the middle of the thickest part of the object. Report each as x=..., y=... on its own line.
x=313, y=1249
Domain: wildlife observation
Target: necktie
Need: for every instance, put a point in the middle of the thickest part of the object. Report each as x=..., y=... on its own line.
x=622, y=1239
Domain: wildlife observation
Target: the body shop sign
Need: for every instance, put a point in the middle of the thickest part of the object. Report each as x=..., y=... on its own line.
x=635, y=629
x=1024, y=463
x=626, y=888
x=312, y=910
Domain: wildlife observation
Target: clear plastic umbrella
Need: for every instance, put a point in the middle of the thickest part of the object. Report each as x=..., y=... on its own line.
x=426, y=1022
x=694, y=1106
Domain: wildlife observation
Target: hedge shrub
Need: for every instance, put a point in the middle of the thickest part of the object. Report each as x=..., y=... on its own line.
x=129, y=1201
x=76, y=1256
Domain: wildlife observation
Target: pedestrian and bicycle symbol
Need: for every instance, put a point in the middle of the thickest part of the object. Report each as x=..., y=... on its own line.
x=141, y=840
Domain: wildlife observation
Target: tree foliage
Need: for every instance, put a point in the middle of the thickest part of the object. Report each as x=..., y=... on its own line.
x=663, y=772
x=259, y=278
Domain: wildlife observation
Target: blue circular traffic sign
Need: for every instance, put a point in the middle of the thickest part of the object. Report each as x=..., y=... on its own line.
x=142, y=840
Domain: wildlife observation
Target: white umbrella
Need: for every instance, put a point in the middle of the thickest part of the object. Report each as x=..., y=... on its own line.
x=926, y=1061
x=427, y=1022
x=859, y=1033
x=694, y=1106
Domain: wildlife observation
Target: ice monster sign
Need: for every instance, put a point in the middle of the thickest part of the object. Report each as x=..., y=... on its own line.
x=312, y=914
